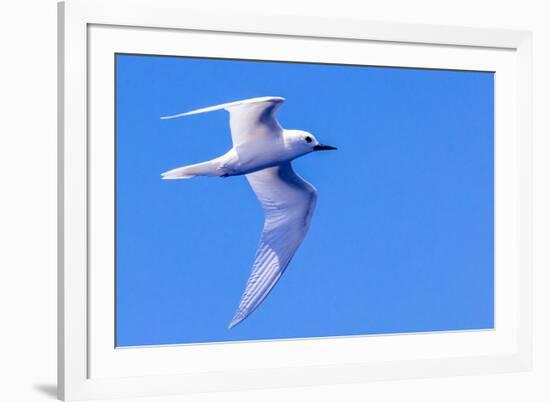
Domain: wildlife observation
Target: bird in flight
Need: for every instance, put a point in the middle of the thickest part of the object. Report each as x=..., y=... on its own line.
x=262, y=151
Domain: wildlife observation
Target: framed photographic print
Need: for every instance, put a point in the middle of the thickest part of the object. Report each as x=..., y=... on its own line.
x=257, y=201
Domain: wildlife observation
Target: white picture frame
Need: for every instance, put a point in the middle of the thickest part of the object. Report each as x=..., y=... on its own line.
x=90, y=367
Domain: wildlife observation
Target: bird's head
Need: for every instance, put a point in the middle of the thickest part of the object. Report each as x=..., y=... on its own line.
x=301, y=142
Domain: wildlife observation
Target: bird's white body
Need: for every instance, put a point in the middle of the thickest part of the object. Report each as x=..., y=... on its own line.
x=247, y=157
x=262, y=150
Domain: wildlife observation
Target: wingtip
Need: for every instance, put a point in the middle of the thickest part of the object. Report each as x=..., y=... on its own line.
x=225, y=106
x=234, y=322
x=175, y=116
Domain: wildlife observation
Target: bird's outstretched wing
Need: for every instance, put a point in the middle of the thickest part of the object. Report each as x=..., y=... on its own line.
x=288, y=202
x=249, y=119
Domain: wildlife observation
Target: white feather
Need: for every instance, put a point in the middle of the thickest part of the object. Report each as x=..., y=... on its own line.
x=250, y=119
x=288, y=202
x=262, y=150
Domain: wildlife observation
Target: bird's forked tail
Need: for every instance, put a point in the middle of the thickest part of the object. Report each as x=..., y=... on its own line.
x=209, y=168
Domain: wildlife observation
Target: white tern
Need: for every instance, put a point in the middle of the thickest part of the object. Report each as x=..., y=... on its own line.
x=263, y=151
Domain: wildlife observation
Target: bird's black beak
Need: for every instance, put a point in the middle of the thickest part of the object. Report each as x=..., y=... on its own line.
x=322, y=147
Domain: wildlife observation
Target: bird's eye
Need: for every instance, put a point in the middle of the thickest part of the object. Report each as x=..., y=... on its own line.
x=308, y=139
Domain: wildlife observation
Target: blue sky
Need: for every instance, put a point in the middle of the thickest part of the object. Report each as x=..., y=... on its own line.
x=402, y=237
